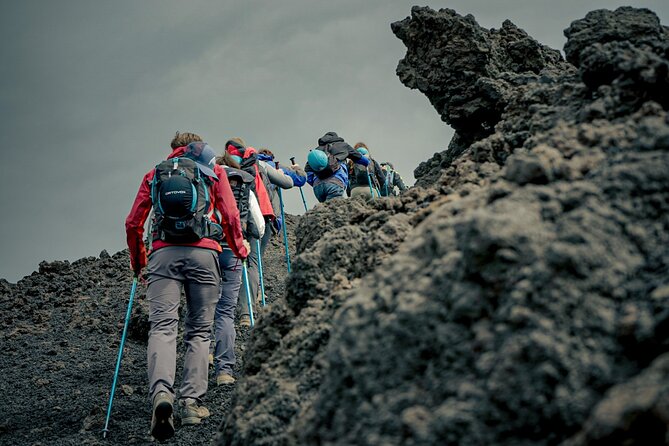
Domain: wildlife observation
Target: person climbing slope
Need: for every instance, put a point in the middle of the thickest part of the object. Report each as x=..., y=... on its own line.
x=184, y=191
x=361, y=176
x=326, y=167
x=248, y=160
x=393, y=180
x=285, y=177
x=253, y=225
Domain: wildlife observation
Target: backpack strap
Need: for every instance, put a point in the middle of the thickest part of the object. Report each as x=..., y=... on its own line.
x=194, y=184
x=154, y=186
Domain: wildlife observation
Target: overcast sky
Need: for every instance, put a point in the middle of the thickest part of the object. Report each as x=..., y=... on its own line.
x=91, y=93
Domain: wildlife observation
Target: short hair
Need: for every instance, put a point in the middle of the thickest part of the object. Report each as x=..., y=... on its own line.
x=183, y=139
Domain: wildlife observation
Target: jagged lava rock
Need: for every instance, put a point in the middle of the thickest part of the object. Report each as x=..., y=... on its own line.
x=508, y=311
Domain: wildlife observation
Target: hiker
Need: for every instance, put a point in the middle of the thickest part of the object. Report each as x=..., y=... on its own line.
x=361, y=176
x=184, y=192
x=248, y=160
x=326, y=168
x=285, y=177
x=393, y=180
x=222, y=350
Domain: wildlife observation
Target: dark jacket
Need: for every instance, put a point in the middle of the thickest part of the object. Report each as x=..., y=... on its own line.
x=339, y=148
x=393, y=179
x=242, y=183
x=359, y=176
x=335, y=145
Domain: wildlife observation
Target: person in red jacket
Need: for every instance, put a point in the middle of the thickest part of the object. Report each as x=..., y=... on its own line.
x=175, y=266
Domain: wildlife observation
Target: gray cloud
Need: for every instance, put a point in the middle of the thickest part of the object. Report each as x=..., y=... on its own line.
x=91, y=93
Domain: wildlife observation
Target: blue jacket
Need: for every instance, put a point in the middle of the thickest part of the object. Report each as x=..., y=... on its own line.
x=335, y=145
x=341, y=176
x=298, y=180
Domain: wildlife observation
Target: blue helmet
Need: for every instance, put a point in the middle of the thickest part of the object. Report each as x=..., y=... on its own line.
x=317, y=159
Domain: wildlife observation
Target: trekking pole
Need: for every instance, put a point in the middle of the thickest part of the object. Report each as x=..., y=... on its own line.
x=369, y=181
x=283, y=221
x=304, y=202
x=390, y=179
x=377, y=185
x=120, y=354
x=245, y=272
x=262, y=281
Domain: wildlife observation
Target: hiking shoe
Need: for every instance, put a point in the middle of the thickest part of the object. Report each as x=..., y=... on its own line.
x=211, y=359
x=224, y=379
x=162, y=423
x=244, y=320
x=192, y=413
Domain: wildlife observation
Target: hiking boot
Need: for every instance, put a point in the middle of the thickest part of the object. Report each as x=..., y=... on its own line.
x=211, y=359
x=244, y=320
x=224, y=379
x=191, y=412
x=162, y=423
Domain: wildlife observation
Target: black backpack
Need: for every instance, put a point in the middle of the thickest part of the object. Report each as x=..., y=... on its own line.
x=243, y=184
x=359, y=175
x=333, y=164
x=180, y=197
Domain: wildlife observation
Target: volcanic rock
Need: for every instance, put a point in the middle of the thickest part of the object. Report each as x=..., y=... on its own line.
x=60, y=338
x=521, y=297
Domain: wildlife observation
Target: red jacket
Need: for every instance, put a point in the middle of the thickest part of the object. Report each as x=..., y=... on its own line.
x=262, y=193
x=222, y=200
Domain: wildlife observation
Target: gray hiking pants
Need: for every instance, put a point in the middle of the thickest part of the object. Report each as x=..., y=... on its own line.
x=196, y=271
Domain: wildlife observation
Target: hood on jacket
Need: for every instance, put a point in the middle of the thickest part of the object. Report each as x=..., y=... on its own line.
x=234, y=148
x=244, y=177
x=329, y=138
x=266, y=158
x=248, y=163
x=200, y=152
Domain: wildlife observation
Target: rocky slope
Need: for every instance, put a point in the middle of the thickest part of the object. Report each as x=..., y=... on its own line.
x=60, y=334
x=518, y=296
x=523, y=297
